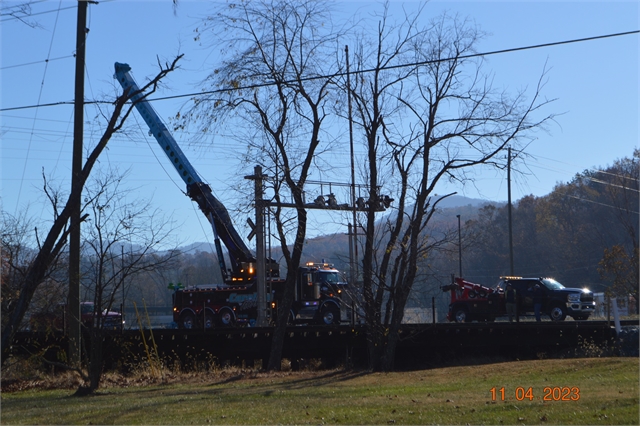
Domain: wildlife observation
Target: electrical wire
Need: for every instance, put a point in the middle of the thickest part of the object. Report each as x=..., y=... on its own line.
x=342, y=73
x=20, y=5
x=37, y=62
x=602, y=182
x=156, y=157
x=44, y=76
x=206, y=234
x=11, y=17
x=598, y=203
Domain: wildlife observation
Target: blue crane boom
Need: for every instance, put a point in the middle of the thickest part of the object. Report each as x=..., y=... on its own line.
x=241, y=258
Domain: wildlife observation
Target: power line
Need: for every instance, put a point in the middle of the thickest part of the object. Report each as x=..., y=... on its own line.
x=342, y=73
x=12, y=17
x=626, y=188
x=598, y=203
x=48, y=105
x=20, y=5
x=414, y=64
x=44, y=76
x=613, y=174
x=37, y=62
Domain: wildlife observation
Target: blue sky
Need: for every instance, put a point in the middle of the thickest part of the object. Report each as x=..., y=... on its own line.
x=595, y=84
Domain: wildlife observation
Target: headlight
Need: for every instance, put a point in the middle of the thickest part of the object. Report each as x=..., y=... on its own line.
x=573, y=297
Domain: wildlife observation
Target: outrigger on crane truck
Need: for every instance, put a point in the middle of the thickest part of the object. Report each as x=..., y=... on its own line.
x=470, y=301
x=320, y=295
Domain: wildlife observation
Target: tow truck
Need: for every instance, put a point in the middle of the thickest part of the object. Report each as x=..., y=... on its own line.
x=470, y=301
x=320, y=288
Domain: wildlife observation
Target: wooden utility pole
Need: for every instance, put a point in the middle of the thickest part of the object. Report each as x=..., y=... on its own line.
x=459, y=248
x=73, y=304
x=261, y=321
x=509, y=209
x=353, y=237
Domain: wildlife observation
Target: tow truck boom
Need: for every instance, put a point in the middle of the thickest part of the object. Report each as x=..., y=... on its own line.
x=242, y=260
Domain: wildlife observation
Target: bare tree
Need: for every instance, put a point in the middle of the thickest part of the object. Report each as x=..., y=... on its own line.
x=115, y=222
x=56, y=237
x=422, y=123
x=279, y=50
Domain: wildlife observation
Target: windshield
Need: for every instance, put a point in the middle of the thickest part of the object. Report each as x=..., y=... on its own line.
x=552, y=284
x=330, y=277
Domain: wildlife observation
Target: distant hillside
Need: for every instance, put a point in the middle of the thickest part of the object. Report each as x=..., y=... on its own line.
x=199, y=246
x=460, y=201
x=334, y=248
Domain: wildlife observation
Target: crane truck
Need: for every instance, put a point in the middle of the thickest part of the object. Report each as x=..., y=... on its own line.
x=320, y=294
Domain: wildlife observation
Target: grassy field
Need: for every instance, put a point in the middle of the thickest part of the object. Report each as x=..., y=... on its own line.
x=597, y=391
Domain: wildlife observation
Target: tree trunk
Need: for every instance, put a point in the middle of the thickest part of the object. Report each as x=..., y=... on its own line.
x=277, y=343
x=96, y=361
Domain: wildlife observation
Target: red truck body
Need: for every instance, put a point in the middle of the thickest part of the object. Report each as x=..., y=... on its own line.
x=473, y=301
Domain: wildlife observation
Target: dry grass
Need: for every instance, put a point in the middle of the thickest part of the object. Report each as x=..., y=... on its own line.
x=455, y=395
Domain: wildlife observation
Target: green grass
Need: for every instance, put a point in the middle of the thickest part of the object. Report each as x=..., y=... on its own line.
x=608, y=389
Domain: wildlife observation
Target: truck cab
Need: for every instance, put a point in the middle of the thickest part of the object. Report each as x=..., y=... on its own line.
x=320, y=290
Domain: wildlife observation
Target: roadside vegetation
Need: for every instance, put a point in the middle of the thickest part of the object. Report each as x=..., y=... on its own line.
x=607, y=390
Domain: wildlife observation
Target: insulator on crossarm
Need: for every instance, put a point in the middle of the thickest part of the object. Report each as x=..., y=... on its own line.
x=332, y=201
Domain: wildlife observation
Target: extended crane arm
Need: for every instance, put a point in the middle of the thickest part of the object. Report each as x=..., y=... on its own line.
x=197, y=190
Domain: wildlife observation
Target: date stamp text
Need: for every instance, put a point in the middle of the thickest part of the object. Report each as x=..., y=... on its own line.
x=549, y=393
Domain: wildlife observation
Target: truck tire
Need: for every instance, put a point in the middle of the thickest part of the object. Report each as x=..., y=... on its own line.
x=226, y=318
x=209, y=321
x=460, y=314
x=188, y=321
x=558, y=313
x=330, y=315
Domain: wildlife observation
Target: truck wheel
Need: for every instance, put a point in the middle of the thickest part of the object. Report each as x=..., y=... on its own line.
x=557, y=313
x=330, y=315
x=226, y=318
x=461, y=315
x=188, y=321
x=208, y=321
